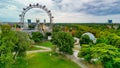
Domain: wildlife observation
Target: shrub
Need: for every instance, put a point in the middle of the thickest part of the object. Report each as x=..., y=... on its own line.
x=85, y=39
x=64, y=41
x=108, y=64
x=85, y=52
x=116, y=62
x=48, y=34
x=11, y=41
x=102, y=52
x=7, y=44
x=37, y=36
x=105, y=54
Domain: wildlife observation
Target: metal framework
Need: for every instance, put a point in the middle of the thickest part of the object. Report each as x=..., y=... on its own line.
x=43, y=7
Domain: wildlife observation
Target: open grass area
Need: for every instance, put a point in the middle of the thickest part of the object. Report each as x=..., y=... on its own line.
x=46, y=44
x=44, y=60
x=33, y=48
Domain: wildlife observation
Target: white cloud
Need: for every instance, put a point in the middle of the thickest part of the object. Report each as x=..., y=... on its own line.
x=65, y=10
x=11, y=7
x=48, y=3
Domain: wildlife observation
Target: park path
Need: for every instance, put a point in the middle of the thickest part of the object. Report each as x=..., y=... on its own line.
x=76, y=59
x=73, y=57
x=44, y=49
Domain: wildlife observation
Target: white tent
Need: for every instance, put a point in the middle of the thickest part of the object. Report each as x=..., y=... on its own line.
x=91, y=36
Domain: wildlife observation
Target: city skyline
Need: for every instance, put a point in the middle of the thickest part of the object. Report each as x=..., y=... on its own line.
x=67, y=11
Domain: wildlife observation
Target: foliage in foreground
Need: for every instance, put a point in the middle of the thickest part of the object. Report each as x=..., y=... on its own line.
x=11, y=41
x=102, y=53
x=64, y=41
x=7, y=44
x=22, y=44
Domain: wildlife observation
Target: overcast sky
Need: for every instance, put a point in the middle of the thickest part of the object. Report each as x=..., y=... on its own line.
x=68, y=11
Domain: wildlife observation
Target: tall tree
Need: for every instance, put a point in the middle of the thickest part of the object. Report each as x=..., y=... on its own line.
x=7, y=44
x=22, y=44
x=64, y=41
x=37, y=36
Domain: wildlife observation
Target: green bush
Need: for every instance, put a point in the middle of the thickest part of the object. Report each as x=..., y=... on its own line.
x=37, y=36
x=114, y=40
x=57, y=28
x=102, y=40
x=116, y=63
x=64, y=41
x=109, y=38
x=12, y=41
x=20, y=62
x=85, y=52
x=108, y=64
x=48, y=34
x=85, y=39
x=7, y=43
x=103, y=52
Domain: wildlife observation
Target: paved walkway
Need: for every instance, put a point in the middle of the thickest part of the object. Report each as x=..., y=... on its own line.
x=76, y=59
x=44, y=49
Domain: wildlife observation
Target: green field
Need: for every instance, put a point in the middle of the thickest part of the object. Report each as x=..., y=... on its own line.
x=46, y=44
x=44, y=60
x=33, y=48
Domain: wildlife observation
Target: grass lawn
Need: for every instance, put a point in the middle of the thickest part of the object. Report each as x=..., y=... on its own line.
x=33, y=48
x=46, y=44
x=44, y=60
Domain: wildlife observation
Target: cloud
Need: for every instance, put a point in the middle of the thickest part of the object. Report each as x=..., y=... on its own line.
x=57, y=1
x=63, y=10
x=102, y=7
x=94, y=7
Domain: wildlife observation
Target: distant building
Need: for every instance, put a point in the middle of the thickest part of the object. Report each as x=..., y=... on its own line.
x=109, y=21
x=44, y=20
x=29, y=20
x=37, y=21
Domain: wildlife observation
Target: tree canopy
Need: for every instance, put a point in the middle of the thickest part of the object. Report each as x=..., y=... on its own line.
x=64, y=41
x=37, y=36
x=10, y=42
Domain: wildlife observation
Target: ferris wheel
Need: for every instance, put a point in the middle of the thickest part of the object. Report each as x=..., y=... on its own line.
x=43, y=7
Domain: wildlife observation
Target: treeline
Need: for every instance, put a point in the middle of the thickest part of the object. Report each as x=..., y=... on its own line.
x=105, y=51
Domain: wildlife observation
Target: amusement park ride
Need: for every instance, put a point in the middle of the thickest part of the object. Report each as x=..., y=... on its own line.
x=24, y=26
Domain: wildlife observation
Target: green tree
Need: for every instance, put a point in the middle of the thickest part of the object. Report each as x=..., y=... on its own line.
x=37, y=36
x=22, y=44
x=11, y=41
x=85, y=39
x=116, y=63
x=102, y=40
x=105, y=54
x=79, y=33
x=7, y=44
x=85, y=52
x=57, y=29
x=64, y=41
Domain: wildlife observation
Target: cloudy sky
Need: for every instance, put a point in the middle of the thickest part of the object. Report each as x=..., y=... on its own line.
x=69, y=11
